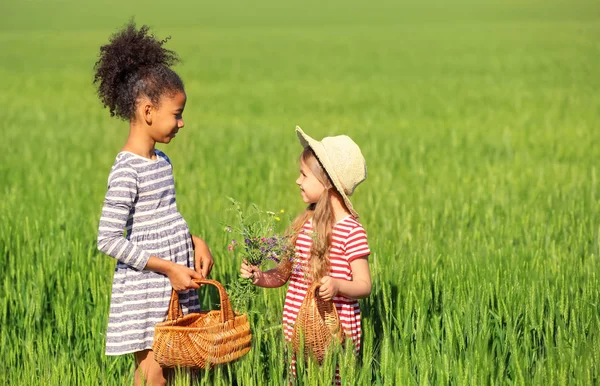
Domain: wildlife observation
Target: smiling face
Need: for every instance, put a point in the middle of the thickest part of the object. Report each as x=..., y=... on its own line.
x=166, y=119
x=311, y=186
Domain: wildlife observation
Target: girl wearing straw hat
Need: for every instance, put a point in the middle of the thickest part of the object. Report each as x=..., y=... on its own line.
x=331, y=248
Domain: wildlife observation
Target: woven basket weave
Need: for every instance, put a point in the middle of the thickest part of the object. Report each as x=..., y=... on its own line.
x=317, y=324
x=201, y=339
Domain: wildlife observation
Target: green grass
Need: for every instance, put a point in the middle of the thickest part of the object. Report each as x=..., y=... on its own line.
x=479, y=124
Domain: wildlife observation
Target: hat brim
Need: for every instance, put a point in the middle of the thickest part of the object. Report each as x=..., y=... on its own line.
x=319, y=150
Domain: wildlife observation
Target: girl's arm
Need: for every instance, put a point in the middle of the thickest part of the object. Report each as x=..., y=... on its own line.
x=118, y=202
x=358, y=288
x=119, y=199
x=203, y=260
x=179, y=275
x=272, y=278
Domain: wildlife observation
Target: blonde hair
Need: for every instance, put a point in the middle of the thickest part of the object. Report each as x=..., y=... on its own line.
x=323, y=220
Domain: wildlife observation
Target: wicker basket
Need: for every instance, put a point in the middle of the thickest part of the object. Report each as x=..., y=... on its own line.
x=317, y=324
x=201, y=339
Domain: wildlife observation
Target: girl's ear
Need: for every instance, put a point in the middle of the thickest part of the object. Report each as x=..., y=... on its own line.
x=148, y=111
x=145, y=110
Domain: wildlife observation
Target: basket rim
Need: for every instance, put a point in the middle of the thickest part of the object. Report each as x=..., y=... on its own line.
x=175, y=312
x=170, y=324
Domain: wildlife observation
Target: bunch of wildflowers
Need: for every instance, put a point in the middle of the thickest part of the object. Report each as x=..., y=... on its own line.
x=258, y=244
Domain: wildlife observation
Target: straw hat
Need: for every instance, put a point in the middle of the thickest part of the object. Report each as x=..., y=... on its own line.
x=342, y=160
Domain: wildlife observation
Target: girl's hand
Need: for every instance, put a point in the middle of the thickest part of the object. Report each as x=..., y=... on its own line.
x=203, y=260
x=181, y=277
x=204, y=265
x=329, y=288
x=248, y=271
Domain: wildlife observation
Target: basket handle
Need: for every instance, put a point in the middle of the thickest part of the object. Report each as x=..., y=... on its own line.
x=314, y=289
x=176, y=312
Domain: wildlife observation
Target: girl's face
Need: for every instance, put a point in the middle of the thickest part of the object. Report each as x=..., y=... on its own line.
x=167, y=118
x=310, y=187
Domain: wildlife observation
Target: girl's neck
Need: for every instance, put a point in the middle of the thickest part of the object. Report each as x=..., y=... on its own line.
x=139, y=143
x=339, y=209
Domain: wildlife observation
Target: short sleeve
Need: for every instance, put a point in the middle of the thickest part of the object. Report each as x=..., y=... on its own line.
x=357, y=245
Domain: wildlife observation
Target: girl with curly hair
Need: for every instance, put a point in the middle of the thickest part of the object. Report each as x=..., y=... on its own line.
x=140, y=225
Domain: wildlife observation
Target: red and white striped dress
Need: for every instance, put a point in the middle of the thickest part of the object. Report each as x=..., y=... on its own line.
x=349, y=242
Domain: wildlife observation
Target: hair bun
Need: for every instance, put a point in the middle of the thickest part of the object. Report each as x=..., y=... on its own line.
x=130, y=54
x=139, y=48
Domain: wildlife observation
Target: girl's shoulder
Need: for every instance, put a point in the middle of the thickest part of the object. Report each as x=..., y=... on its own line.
x=353, y=238
x=348, y=223
x=124, y=165
x=127, y=159
x=348, y=227
x=124, y=160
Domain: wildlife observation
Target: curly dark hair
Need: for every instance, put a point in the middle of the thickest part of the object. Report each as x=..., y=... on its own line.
x=133, y=64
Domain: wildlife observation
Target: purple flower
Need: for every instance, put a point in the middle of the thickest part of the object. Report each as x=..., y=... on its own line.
x=273, y=257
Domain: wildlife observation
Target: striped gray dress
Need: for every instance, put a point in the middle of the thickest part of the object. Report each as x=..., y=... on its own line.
x=141, y=201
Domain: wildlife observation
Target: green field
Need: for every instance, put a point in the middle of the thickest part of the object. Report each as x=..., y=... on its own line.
x=480, y=123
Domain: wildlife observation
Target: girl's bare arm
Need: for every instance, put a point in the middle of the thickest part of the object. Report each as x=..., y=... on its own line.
x=272, y=278
x=357, y=288
x=203, y=260
x=181, y=277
